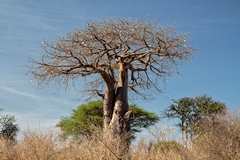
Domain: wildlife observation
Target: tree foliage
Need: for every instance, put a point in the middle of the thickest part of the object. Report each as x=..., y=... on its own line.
x=191, y=111
x=79, y=123
x=8, y=127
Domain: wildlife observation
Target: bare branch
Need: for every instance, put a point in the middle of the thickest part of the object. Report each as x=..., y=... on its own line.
x=149, y=52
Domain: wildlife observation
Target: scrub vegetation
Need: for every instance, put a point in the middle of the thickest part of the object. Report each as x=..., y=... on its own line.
x=219, y=139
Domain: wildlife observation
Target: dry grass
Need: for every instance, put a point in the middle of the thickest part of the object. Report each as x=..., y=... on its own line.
x=46, y=146
x=220, y=140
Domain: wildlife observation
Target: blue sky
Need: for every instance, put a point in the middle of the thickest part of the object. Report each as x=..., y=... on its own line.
x=214, y=27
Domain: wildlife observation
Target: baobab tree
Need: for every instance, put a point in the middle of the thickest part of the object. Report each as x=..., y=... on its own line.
x=113, y=57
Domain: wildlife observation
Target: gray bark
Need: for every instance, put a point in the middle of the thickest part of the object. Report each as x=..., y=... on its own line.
x=119, y=125
x=108, y=104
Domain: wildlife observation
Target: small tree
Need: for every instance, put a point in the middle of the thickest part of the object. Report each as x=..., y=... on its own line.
x=191, y=111
x=79, y=123
x=8, y=128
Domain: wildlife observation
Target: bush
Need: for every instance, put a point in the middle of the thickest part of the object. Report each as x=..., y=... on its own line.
x=219, y=137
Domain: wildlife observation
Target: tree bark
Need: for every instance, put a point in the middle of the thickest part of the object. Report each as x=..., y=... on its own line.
x=118, y=125
x=115, y=104
x=108, y=104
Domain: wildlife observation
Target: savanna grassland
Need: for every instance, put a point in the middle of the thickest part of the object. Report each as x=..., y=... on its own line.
x=219, y=139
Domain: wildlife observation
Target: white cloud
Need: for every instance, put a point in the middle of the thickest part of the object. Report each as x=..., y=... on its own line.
x=21, y=93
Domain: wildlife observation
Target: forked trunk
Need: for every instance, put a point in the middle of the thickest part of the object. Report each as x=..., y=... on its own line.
x=119, y=123
x=117, y=115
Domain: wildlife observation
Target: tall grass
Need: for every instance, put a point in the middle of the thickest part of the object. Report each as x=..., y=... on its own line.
x=220, y=139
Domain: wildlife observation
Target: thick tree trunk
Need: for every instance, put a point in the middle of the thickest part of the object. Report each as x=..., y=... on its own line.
x=116, y=114
x=108, y=104
x=119, y=124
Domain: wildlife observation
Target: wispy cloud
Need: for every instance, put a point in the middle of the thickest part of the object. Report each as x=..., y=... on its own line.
x=23, y=15
x=21, y=93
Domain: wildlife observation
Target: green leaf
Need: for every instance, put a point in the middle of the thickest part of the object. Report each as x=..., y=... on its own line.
x=79, y=123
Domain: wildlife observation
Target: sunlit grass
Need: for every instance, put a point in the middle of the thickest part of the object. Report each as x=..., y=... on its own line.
x=220, y=140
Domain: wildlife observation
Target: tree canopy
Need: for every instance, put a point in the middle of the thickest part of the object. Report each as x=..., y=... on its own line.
x=148, y=51
x=79, y=123
x=191, y=111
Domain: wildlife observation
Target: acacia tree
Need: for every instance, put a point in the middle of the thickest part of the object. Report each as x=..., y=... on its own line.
x=192, y=111
x=79, y=124
x=113, y=57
